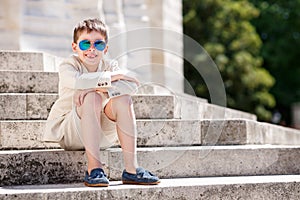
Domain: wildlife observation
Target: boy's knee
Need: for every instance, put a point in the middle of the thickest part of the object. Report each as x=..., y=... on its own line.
x=92, y=97
x=92, y=101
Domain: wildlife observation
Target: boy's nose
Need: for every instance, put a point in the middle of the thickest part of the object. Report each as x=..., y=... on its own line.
x=92, y=48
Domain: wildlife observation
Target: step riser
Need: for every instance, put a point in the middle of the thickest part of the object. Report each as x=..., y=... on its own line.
x=28, y=82
x=39, y=82
x=189, y=106
x=192, y=107
x=37, y=106
x=33, y=106
x=26, y=134
x=266, y=191
x=61, y=167
x=27, y=61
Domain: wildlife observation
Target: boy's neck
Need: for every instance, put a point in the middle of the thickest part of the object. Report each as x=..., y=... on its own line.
x=91, y=68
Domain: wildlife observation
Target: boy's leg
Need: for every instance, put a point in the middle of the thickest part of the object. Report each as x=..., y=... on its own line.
x=120, y=109
x=89, y=113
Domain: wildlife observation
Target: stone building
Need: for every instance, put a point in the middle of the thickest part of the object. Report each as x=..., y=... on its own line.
x=141, y=32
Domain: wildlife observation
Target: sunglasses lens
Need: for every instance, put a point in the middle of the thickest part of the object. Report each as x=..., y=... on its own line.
x=84, y=45
x=100, y=45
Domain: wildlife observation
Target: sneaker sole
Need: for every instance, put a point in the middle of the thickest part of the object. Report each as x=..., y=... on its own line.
x=96, y=184
x=140, y=183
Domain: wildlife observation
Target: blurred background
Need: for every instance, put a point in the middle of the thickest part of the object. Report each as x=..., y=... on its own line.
x=256, y=46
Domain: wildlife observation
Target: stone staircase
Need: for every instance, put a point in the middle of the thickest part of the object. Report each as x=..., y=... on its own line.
x=200, y=150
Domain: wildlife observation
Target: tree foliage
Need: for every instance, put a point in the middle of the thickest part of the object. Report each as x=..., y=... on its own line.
x=223, y=28
x=279, y=28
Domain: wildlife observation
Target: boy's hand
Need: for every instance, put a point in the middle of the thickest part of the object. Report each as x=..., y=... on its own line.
x=118, y=77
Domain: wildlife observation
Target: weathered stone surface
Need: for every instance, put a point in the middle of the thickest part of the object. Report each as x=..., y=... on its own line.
x=26, y=134
x=215, y=188
x=213, y=161
x=26, y=106
x=168, y=133
x=28, y=82
x=274, y=134
x=42, y=167
x=12, y=106
x=22, y=134
x=37, y=106
x=38, y=167
x=153, y=106
x=223, y=132
x=41, y=82
x=26, y=61
x=241, y=131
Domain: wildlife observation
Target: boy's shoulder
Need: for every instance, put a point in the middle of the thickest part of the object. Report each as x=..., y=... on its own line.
x=71, y=61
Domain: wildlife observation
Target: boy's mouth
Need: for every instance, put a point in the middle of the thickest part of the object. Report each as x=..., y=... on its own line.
x=90, y=55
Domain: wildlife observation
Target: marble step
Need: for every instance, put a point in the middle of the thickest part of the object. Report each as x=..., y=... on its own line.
x=241, y=187
x=17, y=106
x=28, y=61
x=28, y=81
x=57, y=166
x=26, y=134
x=37, y=106
x=189, y=107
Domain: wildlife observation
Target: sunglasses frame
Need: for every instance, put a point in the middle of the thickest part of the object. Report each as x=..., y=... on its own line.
x=99, y=48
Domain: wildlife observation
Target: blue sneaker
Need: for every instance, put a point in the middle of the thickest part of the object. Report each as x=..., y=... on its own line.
x=97, y=178
x=142, y=177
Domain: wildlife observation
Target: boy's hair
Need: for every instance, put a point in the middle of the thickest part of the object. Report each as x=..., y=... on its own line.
x=90, y=25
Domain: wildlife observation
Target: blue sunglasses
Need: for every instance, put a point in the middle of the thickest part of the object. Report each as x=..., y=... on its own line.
x=86, y=44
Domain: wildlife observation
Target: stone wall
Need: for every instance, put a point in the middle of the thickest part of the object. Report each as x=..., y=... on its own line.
x=41, y=25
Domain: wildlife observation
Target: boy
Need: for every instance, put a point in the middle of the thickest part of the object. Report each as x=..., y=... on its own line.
x=94, y=107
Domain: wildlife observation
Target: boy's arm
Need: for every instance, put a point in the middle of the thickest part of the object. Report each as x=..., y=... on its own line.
x=72, y=78
x=118, y=74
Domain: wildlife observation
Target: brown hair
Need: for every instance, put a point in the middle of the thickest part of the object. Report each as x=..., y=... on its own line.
x=89, y=25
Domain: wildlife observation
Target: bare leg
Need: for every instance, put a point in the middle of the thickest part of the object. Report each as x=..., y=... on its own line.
x=89, y=112
x=120, y=109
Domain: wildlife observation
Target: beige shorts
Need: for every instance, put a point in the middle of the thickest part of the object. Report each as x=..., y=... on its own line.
x=71, y=128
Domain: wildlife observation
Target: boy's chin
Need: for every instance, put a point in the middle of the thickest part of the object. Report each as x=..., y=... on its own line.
x=92, y=62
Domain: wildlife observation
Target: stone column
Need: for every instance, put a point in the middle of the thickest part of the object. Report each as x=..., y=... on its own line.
x=296, y=115
x=10, y=24
x=114, y=18
x=48, y=25
x=167, y=68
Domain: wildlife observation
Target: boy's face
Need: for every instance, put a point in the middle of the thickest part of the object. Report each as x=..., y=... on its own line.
x=90, y=57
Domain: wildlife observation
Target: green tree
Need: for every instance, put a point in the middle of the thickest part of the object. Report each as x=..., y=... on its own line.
x=279, y=29
x=223, y=28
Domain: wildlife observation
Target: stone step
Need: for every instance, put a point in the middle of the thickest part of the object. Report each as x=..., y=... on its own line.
x=58, y=166
x=28, y=82
x=26, y=134
x=28, y=61
x=37, y=106
x=242, y=187
x=189, y=106
x=13, y=81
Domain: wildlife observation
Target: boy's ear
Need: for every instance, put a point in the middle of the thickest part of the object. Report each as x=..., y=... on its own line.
x=106, y=49
x=74, y=46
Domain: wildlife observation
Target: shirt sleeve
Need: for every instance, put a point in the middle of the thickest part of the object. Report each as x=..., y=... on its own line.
x=70, y=77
